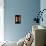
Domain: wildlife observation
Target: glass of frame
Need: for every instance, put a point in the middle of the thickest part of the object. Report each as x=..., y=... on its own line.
x=17, y=19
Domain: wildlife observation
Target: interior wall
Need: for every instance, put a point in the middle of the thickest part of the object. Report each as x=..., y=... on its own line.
x=1, y=20
x=27, y=9
x=43, y=6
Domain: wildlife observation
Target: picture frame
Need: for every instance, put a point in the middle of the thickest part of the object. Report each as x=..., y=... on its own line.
x=17, y=19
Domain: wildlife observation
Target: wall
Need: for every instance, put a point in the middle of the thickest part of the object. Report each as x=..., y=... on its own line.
x=43, y=6
x=1, y=20
x=27, y=10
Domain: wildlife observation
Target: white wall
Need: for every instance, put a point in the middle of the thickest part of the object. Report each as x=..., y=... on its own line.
x=1, y=20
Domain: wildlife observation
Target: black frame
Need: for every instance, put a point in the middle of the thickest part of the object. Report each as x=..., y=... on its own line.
x=17, y=19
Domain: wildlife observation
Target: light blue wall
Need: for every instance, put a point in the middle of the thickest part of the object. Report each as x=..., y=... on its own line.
x=27, y=10
x=43, y=6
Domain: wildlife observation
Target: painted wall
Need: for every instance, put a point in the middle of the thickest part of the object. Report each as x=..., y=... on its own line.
x=1, y=20
x=27, y=10
x=43, y=6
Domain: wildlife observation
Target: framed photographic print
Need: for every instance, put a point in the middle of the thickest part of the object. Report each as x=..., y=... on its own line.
x=17, y=19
